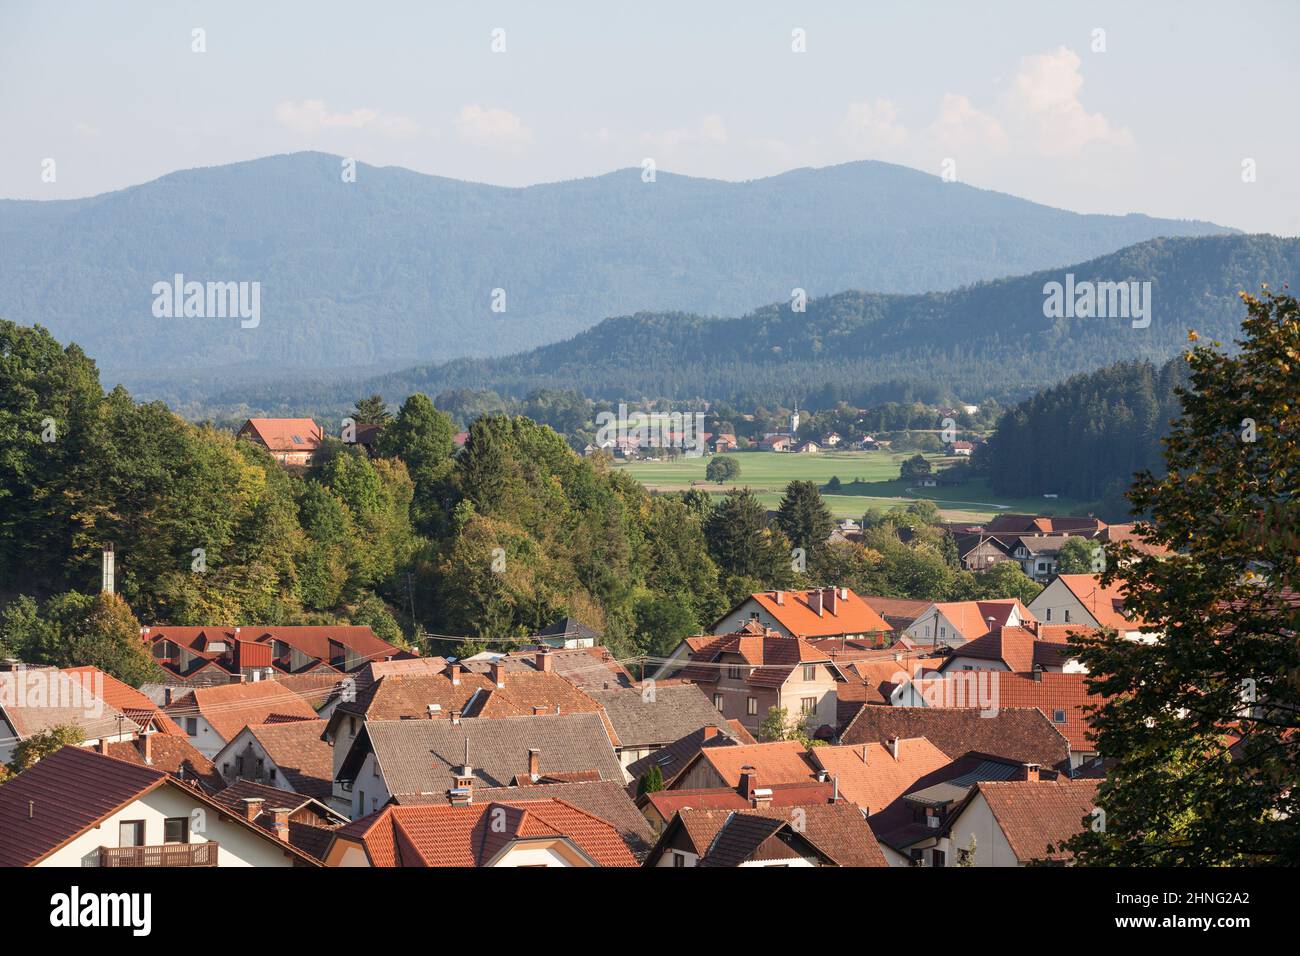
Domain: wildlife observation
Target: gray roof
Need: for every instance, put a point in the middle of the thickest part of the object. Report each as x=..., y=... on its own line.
x=1044, y=544
x=37, y=699
x=417, y=757
x=657, y=718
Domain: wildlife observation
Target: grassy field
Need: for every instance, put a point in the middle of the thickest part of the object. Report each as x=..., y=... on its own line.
x=869, y=480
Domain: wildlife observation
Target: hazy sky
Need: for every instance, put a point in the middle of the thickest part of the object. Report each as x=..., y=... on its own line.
x=1015, y=94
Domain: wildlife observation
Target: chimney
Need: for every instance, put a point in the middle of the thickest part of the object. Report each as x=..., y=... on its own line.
x=710, y=733
x=461, y=793
x=780, y=598
x=453, y=671
x=280, y=822
x=455, y=718
x=109, y=575
x=538, y=710
x=748, y=781
x=832, y=599
x=1038, y=673
x=835, y=794
x=815, y=602
x=144, y=743
x=544, y=661
x=892, y=743
x=844, y=594
x=101, y=746
x=534, y=764
x=498, y=674
x=252, y=807
x=1029, y=772
x=865, y=750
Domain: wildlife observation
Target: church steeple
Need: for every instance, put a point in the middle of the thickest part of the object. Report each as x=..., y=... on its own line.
x=794, y=420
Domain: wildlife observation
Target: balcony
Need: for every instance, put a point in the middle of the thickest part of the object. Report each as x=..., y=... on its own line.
x=169, y=854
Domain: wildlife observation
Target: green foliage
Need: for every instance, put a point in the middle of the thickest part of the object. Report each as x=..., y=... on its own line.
x=804, y=517
x=915, y=467
x=778, y=725
x=29, y=751
x=1081, y=556
x=73, y=629
x=371, y=411
x=744, y=546
x=1203, y=723
x=722, y=468
x=652, y=781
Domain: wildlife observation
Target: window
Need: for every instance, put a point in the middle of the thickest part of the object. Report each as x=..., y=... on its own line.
x=751, y=706
x=1042, y=565
x=1049, y=613
x=1067, y=615
x=938, y=858
x=176, y=830
x=1058, y=716
x=810, y=672
x=943, y=633
x=679, y=859
x=807, y=705
x=717, y=702
x=130, y=833
x=733, y=671
x=271, y=775
x=192, y=726
x=225, y=769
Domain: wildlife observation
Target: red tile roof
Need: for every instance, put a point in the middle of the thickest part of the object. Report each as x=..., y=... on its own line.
x=869, y=774
x=851, y=614
x=311, y=641
x=970, y=618
x=474, y=835
x=285, y=434
x=1019, y=648
x=229, y=708
x=124, y=697
x=772, y=656
x=175, y=755
x=785, y=761
x=1019, y=734
x=1037, y=815
x=669, y=802
x=1106, y=604
x=1053, y=694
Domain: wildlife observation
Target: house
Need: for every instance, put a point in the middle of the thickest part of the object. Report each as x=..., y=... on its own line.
x=961, y=448
x=1038, y=554
x=878, y=682
x=36, y=699
x=289, y=755
x=776, y=442
x=367, y=436
x=649, y=718
x=291, y=441
x=1063, y=698
x=217, y=655
x=410, y=761
x=1021, y=822
x=784, y=761
x=749, y=673
x=1127, y=533
x=1081, y=599
x=675, y=757
x=567, y=633
x=873, y=775
x=213, y=716
x=812, y=614
x=660, y=807
x=588, y=668
x=171, y=753
x=549, y=833
x=1018, y=734
x=913, y=830
x=898, y=613
x=831, y=439
x=310, y=824
x=979, y=552
x=147, y=715
x=808, y=447
x=954, y=623
x=78, y=808
x=722, y=443
x=814, y=835
x=1019, y=525
x=1019, y=649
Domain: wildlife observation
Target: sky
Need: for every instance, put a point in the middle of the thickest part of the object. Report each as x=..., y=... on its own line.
x=1183, y=110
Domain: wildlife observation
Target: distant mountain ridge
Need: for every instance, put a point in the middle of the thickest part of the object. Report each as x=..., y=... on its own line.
x=992, y=338
x=398, y=268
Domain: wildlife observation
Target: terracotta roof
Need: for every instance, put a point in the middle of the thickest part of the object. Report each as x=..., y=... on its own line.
x=37, y=699
x=669, y=802
x=898, y=608
x=229, y=708
x=1036, y=815
x=643, y=718
x=311, y=832
x=740, y=733
x=285, y=434
x=1055, y=695
x=1019, y=648
x=869, y=774
x=175, y=755
x=970, y=618
x=588, y=668
x=124, y=697
x=772, y=657
x=852, y=615
x=872, y=681
x=215, y=645
x=306, y=760
x=475, y=835
x=1105, y=604
x=730, y=837
x=52, y=803
x=417, y=756
x=784, y=761
x=1020, y=734
x=677, y=756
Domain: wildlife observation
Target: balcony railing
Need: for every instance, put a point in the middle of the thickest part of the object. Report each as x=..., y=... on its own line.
x=169, y=854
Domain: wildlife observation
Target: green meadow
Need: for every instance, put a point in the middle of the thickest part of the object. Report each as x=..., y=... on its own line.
x=869, y=479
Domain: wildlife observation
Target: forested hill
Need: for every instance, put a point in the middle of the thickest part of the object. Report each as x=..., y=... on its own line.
x=988, y=339
x=1086, y=437
x=398, y=268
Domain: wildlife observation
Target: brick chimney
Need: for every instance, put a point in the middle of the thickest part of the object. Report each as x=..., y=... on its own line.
x=534, y=764
x=748, y=781
x=1038, y=673
x=280, y=822
x=461, y=793
x=101, y=746
x=779, y=596
x=498, y=674
x=252, y=807
x=455, y=718
x=1029, y=772
x=144, y=743
x=538, y=710
x=832, y=599
x=453, y=671
x=710, y=733
x=544, y=661
x=815, y=602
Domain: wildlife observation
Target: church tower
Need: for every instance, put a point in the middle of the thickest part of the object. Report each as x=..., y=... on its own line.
x=794, y=420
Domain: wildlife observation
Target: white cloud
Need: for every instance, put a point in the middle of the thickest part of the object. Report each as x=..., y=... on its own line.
x=961, y=126
x=1045, y=100
x=872, y=126
x=496, y=128
x=710, y=131
x=311, y=116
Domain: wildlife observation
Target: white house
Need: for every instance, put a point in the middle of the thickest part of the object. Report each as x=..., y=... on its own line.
x=1080, y=599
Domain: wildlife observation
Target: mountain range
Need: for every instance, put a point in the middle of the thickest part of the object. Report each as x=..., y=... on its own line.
x=398, y=268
